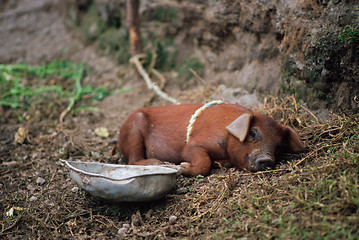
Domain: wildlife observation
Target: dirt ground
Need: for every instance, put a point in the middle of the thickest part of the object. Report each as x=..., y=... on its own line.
x=31, y=174
x=48, y=205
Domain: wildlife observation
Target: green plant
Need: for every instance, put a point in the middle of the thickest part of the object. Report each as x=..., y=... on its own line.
x=91, y=24
x=189, y=63
x=286, y=84
x=164, y=52
x=166, y=55
x=350, y=35
x=23, y=85
x=165, y=14
x=115, y=42
x=17, y=91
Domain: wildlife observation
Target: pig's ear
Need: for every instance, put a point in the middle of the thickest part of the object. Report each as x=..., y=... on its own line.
x=239, y=127
x=293, y=141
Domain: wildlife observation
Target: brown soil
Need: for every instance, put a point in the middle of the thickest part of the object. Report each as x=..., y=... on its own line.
x=31, y=174
x=49, y=205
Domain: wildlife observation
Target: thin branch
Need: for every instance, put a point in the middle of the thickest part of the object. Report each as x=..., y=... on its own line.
x=150, y=85
x=201, y=80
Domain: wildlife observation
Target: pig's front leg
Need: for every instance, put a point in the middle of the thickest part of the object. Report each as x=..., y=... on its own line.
x=197, y=161
x=151, y=161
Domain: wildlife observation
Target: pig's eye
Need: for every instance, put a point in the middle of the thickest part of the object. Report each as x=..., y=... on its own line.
x=253, y=135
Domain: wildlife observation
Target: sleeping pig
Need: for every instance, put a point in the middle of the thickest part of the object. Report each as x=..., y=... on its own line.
x=199, y=136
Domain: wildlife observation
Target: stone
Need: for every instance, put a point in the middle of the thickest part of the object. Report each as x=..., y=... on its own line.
x=31, y=188
x=122, y=231
x=33, y=199
x=172, y=219
x=126, y=225
x=40, y=180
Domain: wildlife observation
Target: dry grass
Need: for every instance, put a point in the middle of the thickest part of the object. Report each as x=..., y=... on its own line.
x=294, y=40
x=315, y=195
x=309, y=196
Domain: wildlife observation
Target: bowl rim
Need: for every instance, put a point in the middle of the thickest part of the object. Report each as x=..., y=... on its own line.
x=176, y=170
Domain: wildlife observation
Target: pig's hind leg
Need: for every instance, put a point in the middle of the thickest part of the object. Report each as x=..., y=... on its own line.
x=132, y=140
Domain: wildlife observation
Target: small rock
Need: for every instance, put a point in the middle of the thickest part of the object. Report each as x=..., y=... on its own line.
x=126, y=225
x=149, y=214
x=136, y=219
x=21, y=191
x=49, y=203
x=33, y=199
x=249, y=100
x=40, y=180
x=10, y=164
x=122, y=231
x=31, y=188
x=237, y=96
x=1, y=185
x=21, y=135
x=182, y=190
x=75, y=190
x=172, y=219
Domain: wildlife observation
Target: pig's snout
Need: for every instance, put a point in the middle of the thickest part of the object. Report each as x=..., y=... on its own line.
x=264, y=163
x=259, y=161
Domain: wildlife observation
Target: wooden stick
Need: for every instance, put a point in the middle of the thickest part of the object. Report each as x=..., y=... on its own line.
x=197, y=76
x=150, y=85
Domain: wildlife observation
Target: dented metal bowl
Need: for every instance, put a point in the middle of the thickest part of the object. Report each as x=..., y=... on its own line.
x=123, y=183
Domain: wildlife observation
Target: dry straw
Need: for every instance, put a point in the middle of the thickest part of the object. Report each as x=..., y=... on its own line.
x=308, y=196
x=288, y=202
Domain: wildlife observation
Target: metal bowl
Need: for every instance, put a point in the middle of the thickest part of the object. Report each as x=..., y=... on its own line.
x=123, y=183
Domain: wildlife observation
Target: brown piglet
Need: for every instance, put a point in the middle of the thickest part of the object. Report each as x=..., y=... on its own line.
x=222, y=133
